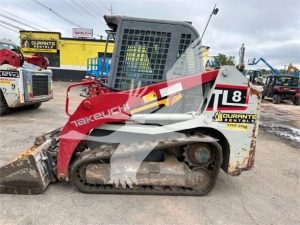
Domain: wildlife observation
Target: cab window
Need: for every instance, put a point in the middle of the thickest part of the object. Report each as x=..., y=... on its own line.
x=287, y=81
x=269, y=80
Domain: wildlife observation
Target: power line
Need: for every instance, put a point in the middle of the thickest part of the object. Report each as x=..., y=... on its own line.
x=87, y=12
x=8, y=28
x=38, y=26
x=94, y=6
x=17, y=21
x=90, y=8
x=36, y=15
x=82, y=8
x=11, y=25
x=54, y=12
x=69, y=4
x=104, y=5
x=86, y=9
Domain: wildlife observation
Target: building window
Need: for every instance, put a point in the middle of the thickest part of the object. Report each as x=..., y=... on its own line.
x=54, y=58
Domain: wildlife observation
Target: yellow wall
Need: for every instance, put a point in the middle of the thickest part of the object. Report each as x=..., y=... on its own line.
x=72, y=52
x=34, y=35
x=205, y=55
x=77, y=52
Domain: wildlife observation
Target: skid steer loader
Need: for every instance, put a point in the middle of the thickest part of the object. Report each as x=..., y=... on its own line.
x=160, y=125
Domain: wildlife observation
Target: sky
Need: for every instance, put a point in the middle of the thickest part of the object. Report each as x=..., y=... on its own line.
x=269, y=28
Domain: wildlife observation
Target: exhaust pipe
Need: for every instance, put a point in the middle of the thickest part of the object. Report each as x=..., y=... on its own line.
x=31, y=172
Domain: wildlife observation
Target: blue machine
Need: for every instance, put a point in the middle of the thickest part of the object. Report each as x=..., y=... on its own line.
x=254, y=62
x=211, y=63
x=97, y=66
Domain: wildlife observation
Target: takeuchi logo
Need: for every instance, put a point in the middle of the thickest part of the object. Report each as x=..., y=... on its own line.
x=100, y=115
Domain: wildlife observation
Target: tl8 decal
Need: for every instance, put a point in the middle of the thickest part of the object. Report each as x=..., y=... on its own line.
x=228, y=97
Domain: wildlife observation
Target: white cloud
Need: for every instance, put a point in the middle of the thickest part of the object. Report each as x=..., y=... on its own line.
x=269, y=28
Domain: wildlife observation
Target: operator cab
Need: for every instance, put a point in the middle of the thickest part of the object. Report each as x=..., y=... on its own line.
x=149, y=51
x=255, y=77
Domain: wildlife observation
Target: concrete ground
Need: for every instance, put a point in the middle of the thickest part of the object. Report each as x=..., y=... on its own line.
x=267, y=194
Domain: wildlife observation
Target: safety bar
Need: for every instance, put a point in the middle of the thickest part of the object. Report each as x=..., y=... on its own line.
x=89, y=83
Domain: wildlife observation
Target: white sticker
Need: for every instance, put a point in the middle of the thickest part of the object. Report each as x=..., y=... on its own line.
x=170, y=90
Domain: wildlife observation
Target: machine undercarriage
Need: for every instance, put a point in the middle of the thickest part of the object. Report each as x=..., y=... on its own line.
x=186, y=165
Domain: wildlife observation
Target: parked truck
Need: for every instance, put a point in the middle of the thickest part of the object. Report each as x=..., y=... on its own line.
x=281, y=88
x=24, y=81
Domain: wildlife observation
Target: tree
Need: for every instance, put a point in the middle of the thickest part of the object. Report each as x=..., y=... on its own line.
x=222, y=59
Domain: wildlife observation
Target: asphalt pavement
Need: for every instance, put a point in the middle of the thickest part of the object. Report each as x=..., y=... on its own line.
x=267, y=194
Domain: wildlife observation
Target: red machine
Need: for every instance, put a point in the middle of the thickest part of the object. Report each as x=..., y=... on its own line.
x=22, y=85
x=38, y=60
x=171, y=136
x=15, y=58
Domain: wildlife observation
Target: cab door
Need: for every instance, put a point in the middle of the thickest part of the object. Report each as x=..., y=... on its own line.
x=268, y=87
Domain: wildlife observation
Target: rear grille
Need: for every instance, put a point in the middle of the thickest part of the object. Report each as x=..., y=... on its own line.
x=39, y=85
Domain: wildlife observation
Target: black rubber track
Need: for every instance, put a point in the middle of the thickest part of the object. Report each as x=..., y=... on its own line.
x=78, y=178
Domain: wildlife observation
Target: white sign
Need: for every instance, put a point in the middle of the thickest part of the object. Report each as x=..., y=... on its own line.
x=82, y=33
x=171, y=89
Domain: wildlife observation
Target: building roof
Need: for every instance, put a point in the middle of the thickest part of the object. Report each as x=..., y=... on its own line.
x=64, y=38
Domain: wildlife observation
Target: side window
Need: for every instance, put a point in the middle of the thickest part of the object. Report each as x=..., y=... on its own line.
x=143, y=57
x=271, y=80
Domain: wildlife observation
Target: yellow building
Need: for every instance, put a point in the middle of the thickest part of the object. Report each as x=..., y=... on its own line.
x=67, y=56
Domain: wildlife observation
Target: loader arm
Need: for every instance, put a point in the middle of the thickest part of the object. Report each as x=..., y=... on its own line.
x=115, y=107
